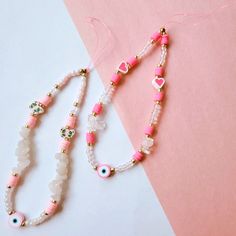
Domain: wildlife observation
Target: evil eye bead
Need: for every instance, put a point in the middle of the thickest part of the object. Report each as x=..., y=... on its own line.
x=104, y=171
x=16, y=220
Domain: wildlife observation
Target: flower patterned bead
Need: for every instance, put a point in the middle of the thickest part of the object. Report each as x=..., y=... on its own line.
x=16, y=220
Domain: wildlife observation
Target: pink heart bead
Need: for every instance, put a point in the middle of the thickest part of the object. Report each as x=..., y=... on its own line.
x=158, y=83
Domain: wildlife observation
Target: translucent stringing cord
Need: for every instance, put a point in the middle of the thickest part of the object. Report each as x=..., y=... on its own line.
x=99, y=52
x=183, y=18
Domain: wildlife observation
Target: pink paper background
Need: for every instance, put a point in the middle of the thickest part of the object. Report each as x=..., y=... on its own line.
x=193, y=170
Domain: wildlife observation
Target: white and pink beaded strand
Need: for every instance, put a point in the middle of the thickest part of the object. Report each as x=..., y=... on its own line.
x=23, y=151
x=97, y=123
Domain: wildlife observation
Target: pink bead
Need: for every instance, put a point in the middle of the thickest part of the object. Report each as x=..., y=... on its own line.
x=51, y=208
x=90, y=138
x=46, y=100
x=149, y=130
x=32, y=122
x=156, y=36
x=116, y=78
x=159, y=96
x=138, y=156
x=13, y=181
x=133, y=61
x=71, y=121
x=97, y=108
x=165, y=39
x=65, y=144
x=159, y=71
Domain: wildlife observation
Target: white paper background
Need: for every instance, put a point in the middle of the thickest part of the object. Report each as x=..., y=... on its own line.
x=38, y=46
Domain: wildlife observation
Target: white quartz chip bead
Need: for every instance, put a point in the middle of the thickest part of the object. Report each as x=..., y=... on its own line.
x=147, y=145
x=23, y=151
x=91, y=157
x=155, y=114
x=56, y=185
x=96, y=123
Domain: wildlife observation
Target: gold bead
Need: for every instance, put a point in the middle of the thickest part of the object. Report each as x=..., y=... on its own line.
x=27, y=126
x=76, y=104
x=163, y=30
x=49, y=94
x=83, y=72
x=11, y=212
x=56, y=86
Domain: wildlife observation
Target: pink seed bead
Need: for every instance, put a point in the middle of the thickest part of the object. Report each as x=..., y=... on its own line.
x=46, y=100
x=51, y=208
x=165, y=39
x=90, y=138
x=159, y=71
x=138, y=156
x=149, y=130
x=71, y=121
x=159, y=96
x=133, y=61
x=13, y=181
x=156, y=36
x=65, y=144
x=32, y=122
x=116, y=78
x=97, y=108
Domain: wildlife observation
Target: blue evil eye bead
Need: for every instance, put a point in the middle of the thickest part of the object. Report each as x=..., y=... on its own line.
x=104, y=171
x=16, y=220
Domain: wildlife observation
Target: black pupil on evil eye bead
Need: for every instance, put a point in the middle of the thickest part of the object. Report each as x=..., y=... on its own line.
x=14, y=220
x=103, y=171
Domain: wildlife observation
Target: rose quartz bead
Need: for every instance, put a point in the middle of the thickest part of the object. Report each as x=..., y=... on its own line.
x=159, y=71
x=116, y=78
x=32, y=122
x=65, y=144
x=159, y=96
x=97, y=109
x=90, y=138
x=149, y=130
x=46, y=100
x=138, y=156
x=71, y=121
x=156, y=36
x=165, y=39
x=133, y=61
x=51, y=208
x=13, y=181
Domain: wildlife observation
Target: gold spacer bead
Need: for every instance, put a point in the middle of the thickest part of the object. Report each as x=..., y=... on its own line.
x=27, y=126
x=11, y=212
x=49, y=94
x=83, y=72
x=72, y=114
x=56, y=86
x=76, y=104
x=163, y=30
